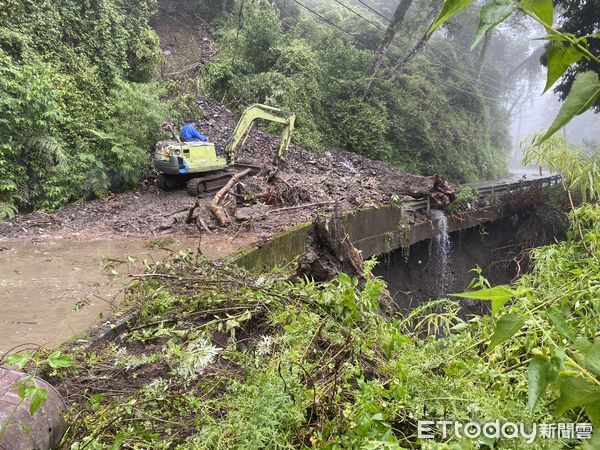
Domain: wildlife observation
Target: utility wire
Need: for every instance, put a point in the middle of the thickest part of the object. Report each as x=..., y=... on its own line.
x=458, y=72
x=370, y=8
x=376, y=25
x=366, y=44
x=374, y=11
x=325, y=19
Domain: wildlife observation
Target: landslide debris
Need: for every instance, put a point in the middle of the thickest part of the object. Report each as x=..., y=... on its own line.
x=270, y=202
x=303, y=183
x=329, y=251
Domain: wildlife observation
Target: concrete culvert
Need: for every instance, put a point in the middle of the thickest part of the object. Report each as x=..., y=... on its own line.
x=18, y=429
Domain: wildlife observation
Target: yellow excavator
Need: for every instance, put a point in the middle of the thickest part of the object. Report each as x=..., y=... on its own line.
x=201, y=168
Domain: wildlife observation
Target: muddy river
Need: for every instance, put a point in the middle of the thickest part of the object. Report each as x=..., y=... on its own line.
x=52, y=290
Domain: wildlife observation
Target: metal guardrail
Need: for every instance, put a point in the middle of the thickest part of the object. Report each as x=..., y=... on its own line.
x=490, y=189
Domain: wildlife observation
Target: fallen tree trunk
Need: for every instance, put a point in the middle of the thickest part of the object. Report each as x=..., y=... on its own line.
x=216, y=205
x=329, y=251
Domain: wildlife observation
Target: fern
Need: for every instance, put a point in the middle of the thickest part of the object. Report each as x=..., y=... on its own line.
x=7, y=210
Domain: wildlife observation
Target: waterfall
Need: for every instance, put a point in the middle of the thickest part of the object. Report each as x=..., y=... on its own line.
x=442, y=252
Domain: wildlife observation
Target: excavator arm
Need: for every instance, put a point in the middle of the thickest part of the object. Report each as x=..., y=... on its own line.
x=245, y=124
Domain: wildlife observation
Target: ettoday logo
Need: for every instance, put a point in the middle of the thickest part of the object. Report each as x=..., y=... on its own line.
x=427, y=429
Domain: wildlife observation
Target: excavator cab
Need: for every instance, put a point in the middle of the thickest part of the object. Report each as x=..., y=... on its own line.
x=198, y=165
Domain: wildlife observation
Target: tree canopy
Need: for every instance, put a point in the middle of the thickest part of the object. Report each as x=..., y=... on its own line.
x=580, y=17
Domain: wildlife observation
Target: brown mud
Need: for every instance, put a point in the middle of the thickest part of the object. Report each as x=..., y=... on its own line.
x=52, y=290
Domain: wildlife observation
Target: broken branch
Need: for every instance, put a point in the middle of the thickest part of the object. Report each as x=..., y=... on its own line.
x=307, y=205
x=215, y=206
x=190, y=216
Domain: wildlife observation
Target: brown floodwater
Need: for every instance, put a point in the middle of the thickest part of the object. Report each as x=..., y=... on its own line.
x=52, y=290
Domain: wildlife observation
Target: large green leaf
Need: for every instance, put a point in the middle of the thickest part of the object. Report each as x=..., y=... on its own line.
x=575, y=392
x=584, y=93
x=506, y=327
x=451, y=7
x=592, y=359
x=559, y=58
x=39, y=396
x=492, y=13
x=498, y=295
x=593, y=412
x=543, y=9
x=560, y=323
x=541, y=372
x=56, y=360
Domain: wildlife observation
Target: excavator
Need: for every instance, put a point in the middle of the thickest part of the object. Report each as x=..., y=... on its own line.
x=199, y=167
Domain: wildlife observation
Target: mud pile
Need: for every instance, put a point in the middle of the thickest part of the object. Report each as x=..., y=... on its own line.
x=272, y=201
x=337, y=175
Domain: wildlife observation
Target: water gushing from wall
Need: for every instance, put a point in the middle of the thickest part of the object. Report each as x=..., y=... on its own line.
x=442, y=252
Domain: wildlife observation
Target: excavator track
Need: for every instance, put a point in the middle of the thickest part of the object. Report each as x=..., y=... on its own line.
x=167, y=182
x=214, y=181
x=200, y=185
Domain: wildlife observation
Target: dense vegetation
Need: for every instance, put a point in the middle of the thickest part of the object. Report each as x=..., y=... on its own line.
x=221, y=358
x=433, y=115
x=77, y=109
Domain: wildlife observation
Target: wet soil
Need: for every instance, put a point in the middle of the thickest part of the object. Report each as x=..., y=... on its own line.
x=187, y=42
x=52, y=290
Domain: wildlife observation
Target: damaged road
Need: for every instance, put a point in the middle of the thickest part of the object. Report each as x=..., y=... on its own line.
x=261, y=205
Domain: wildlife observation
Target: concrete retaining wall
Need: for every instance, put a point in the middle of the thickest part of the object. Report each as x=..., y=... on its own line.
x=374, y=231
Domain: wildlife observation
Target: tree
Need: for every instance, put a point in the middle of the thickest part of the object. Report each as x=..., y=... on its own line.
x=580, y=17
x=388, y=37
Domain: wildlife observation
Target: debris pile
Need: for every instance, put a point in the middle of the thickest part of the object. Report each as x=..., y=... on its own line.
x=337, y=176
x=329, y=251
x=303, y=183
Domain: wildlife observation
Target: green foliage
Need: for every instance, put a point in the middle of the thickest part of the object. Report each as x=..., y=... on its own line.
x=579, y=18
x=497, y=295
x=27, y=388
x=559, y=58
x=506, y=327
x=565, y=50
x=466, y=198
x=450, y=8
x=578, y=168
x=7, y=210
x=492, y=14
x=57, y=84
x=260, y=414
x=582, y=96
x=236, y=360
x=414, y=121
x=559, y=332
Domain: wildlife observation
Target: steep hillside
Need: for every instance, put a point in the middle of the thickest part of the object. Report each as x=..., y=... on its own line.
x=306, y=178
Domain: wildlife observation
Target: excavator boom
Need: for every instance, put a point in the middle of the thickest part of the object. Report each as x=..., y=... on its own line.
x=247, y=120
